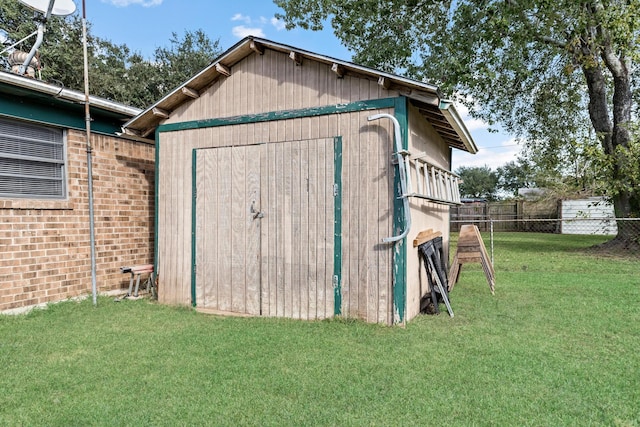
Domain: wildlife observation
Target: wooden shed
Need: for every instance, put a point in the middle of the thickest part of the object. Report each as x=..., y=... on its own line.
x=275, y=190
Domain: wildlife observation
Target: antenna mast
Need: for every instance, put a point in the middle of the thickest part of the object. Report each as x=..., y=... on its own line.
x=87, y=119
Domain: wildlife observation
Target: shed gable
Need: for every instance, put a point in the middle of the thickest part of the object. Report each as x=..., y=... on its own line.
x=272, y=82
x=284, y=78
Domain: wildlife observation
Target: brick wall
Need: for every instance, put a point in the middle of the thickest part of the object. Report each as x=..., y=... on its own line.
x=45, y=244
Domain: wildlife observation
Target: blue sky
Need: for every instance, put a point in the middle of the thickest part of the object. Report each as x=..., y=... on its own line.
x=144, y=25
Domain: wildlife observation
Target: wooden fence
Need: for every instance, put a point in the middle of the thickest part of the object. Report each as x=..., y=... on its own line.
x=506, y=216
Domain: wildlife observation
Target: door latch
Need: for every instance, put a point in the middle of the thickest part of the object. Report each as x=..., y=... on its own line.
x=256, y=213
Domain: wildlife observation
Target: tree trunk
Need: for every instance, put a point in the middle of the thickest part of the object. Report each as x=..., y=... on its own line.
x=598, y=106
x=626, y=203
x=615, y=135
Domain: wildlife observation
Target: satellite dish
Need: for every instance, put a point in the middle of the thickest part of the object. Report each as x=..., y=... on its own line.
x=60, y=7
x=48, y=7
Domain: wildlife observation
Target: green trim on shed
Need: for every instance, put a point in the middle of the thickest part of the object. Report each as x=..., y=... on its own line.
x=399, y=223
x=351, y=107
x=337, y=227
x=399, y=104
x=194, y=196
x=156, y=226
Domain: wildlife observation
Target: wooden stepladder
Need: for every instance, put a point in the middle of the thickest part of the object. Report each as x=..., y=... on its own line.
x=471, y=249
x=429, y=245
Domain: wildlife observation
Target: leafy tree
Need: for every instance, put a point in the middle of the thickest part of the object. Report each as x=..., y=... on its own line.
x=570, y=169
x=127, y=77
x=528, y=172
x=550, y=72
x=515, y=175
x=108, y=70
x=625, y=162
x=115, y=72
x=478, y=182
x=184, y=57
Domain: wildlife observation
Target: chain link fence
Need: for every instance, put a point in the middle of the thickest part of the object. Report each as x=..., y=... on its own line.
x=493, y=229
x=592, y=216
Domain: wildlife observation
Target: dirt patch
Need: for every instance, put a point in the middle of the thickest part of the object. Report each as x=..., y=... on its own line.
x=616, y=248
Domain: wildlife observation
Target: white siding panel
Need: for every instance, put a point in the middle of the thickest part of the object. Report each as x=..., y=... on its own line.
x=587, y=213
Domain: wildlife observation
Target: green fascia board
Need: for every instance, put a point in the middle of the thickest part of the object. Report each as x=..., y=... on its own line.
x=58, y=113
x=374, y=104
x=337, y=227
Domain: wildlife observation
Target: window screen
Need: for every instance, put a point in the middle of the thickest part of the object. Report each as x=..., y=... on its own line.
x=32, y=161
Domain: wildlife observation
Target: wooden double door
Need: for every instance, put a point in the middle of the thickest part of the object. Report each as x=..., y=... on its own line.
x=264, y=235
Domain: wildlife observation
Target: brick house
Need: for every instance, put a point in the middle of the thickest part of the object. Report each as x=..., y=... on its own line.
x=44, y=207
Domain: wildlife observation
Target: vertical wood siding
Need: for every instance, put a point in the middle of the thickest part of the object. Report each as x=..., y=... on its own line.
x=264, y=236
x=424, y=214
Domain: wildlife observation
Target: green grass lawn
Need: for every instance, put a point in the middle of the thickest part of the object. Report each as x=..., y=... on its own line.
x=558, y=344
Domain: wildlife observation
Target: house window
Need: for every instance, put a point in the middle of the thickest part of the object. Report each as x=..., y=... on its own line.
x=32, y=161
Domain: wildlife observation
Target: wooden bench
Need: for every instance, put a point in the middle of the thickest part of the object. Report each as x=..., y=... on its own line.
x=136, y=272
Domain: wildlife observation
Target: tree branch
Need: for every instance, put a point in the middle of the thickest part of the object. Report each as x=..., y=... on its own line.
x=533, y=27
x=617, y=65
x=551, y=41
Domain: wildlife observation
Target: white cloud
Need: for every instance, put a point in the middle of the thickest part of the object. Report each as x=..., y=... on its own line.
x=125, y=3
x=494, y=150
x=493, y=157
x=254, y=26
x=278, y=23
x=241, y=31
x=241, y=17
x=470, y=122
x=251, y=26
x=474, y=124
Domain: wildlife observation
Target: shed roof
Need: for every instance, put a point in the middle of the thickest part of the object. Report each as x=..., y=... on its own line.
x=439, y=112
